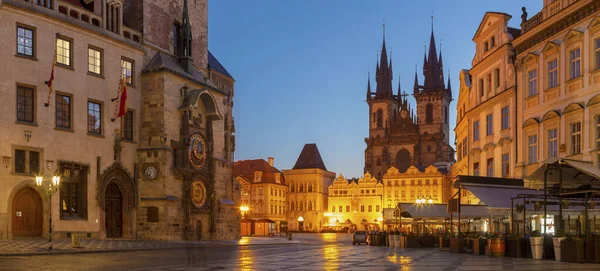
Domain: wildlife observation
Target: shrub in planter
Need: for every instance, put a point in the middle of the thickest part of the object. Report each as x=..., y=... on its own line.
x=572, y=250
x=496, y=246
x=391, y=239
x=537, y=245
x=556, y=241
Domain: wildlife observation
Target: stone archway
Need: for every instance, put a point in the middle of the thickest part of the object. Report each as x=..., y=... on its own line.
x=403, y=160
x=116, y=179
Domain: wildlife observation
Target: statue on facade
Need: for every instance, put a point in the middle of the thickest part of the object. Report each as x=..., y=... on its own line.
x=524, y=15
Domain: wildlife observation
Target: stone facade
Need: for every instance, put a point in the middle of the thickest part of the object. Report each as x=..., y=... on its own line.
x=355, y=203
x=138, y=180
x=397, y=136
x=414, y=184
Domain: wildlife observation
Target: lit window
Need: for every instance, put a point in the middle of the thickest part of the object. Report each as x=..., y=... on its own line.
x=94, y=118
x=25, y=42
x=552, y=73
x=63, y=51
x=575, y=138
x=532, y=90
x=575, y=63
x=532, y=143
x=94, y=61
x=127, y=70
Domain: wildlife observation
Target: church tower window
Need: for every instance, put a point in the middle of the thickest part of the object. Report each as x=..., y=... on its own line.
x=379, y=118
x=429, y=113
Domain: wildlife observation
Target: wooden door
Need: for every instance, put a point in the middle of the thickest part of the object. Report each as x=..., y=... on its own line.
x=27, y=213
x=113, y=211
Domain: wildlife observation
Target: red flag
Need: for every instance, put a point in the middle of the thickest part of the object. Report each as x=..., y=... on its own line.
x=123, y=100
x=49, y=82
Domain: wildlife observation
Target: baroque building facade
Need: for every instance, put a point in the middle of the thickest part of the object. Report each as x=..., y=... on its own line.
x=355, y=202
x=308, y=183
x=430, y=185
x=397, y=136
x=263, y=192
x=161, y=170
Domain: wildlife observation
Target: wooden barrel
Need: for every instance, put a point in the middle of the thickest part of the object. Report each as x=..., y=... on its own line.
x=496, y=247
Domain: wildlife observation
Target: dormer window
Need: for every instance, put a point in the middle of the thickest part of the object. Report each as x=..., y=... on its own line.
x=485, y=46
x=278, y=177
x=492, y=42
x=257, y=176
x=113, y=17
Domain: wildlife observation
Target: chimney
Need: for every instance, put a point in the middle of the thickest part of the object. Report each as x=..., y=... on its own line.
x=271, y=161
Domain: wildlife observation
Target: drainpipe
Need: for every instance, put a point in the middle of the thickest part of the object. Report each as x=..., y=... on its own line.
x=513, y=59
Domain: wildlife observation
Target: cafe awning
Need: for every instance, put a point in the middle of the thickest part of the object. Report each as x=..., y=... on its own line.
x=439, y=211
x=574, y=172
x=498, y=196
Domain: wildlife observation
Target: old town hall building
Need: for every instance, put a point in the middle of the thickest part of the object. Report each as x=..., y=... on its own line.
x=397, y=136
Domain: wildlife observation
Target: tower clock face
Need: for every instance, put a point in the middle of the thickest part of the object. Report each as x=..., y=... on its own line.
x=150, y=172
x=197, y=151
x=198, y=193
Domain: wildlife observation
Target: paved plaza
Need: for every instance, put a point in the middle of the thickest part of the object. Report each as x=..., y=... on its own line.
x=305, y=252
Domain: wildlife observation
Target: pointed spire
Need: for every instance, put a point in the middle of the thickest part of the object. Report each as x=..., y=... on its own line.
x=369, y=86
x=384, y=73
x=416, y=86
x=449, y=86
x=433, y=77
x=399, y=86
x=186, y=40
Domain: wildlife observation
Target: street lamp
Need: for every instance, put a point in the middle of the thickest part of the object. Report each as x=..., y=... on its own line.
x=52, y=188
x=244, y=209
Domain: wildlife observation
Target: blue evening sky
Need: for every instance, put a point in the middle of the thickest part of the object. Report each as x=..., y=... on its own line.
x=301, y=66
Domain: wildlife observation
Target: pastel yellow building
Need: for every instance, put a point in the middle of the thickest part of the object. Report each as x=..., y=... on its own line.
x=429, y=185
x=559, y=78
x=308, y=182
x=355, y=203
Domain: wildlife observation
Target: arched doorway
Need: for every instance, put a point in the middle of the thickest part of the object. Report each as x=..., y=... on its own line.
x=113, y=211
x=403, y=160
x=27, y=213
x=198, y=230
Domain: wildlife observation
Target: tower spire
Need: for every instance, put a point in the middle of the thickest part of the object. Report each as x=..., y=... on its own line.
x=432, y=71
x=369, y=86
x=186, y=40
x=384, y=73
x=416, y=86
x=449, y=86
x=399, y=92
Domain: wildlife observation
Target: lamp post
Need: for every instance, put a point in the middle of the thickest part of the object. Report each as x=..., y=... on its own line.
x=52, y=188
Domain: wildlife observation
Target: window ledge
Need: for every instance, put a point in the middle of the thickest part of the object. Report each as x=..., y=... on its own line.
x=552, y=88
x=597, y=70
x=70, y=130
x=95, y=135
x=72, y=218
x=65, y=66
x=128, y=141
x=531, y=97
x=27, y=57
x=96, y=75
x=34, y=124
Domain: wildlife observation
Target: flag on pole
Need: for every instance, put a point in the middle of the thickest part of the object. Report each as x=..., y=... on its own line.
x=49, y=82
x=123, y=99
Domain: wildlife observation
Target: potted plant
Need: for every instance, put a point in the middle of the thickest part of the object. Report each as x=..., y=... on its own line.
x=391, y=238
x=397, y=238
x=559, y=236
x=537, y=245
x=572, y=250
x=496, y=245
x=479, y=243
x=520, y=208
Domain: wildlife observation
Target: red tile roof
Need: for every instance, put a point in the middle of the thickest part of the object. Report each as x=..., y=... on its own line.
x=246, y=169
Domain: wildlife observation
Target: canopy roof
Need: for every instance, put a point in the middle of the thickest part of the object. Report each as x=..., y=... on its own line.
x=437, y=211
x=498, y=196
x=574, y=172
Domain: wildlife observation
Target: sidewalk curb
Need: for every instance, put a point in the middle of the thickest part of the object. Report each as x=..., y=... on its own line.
x=195, y=246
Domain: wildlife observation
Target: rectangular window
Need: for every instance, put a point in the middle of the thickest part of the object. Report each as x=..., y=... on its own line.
x=25, y=104
x=63, y=111
x=476, y=130
x=490, y=124
x=434, y=182
x=490, y=167
x=404, y=194
x=552, y=73
x=347, y=208
x=127, y=70
x=489, y=85
x=553, y=143
x=377, y=208
x=362, y=208
x=370, y=208
x=575, y=63
x=505, y=165
x=25, y=41
x=532, y=90
x=34, y=163
x=389, y=194
x=95, y=61
x=597, y=132
x=340, y=209
x=396, y=194
x=64, y=51
x=465, y=147
x=532, y=149
x=20, y=161
x=597, y=50
x=497, y=78
x=475, y=169
x=492, y=42
x=403, y=183
x=575, y=138
x=481, y=88
x=333, y=209
x=127, y=126
x=505, y=115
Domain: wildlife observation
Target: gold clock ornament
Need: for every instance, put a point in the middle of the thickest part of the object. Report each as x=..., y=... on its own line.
x=198, y=194
x=197, y=151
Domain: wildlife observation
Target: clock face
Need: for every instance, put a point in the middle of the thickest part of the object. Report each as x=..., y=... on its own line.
x=150, y=172
x=198, y=194
x=197, y=151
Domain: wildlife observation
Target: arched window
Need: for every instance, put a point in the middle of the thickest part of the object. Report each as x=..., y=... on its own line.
x=309, y=187
x=309, y=206
x=379, y=118
x=301, y=206
x=292, y=188
x=429, y=113
x=292, y=206
x=301, y=190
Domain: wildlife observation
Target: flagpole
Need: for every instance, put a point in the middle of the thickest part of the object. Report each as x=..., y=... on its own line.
x=117, y=101
x=49, y=82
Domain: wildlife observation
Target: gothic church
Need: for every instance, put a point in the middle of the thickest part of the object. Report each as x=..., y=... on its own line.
x=398, y=137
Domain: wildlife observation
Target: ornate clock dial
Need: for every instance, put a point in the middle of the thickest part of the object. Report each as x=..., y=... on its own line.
x=150, y=172
x=197, y=151
x=198, y=194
